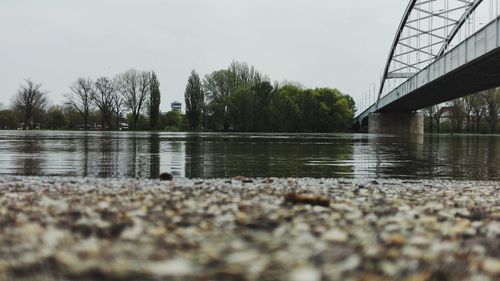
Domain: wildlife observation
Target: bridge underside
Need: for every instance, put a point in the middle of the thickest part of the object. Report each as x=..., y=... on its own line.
x=423, y=68
x=478, y=75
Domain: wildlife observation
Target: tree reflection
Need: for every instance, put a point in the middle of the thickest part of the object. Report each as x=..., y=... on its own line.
x=154, y=154
x=107, y=162
x=265, y=155
x=86, y=155
x=29, y=160
x=195, y=152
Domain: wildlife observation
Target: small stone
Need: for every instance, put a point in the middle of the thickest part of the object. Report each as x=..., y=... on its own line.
x=423, y=276
x=396, y=239
x=412, y=252
x=175, y=267
x=419, y=241
x=335, y=235
x=244, y=257
x=491, y=266
x=389, y=268
x=268, y=180
x=350, y=263
x=305, y=274
x=166, y=177
x=240, y=178
x=309, y=199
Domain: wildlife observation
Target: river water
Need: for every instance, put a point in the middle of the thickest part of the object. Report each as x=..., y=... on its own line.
x=217, y=155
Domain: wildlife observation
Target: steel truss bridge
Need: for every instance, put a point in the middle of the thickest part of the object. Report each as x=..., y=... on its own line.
x=443, y=50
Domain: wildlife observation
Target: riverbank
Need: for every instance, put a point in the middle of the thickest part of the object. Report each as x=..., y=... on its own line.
x=242, y=229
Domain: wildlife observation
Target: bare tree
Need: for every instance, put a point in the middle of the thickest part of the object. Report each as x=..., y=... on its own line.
x=457, y=114
x=434, y=114
x=103, y=99
x=473, y=110
x=134, y=87
x=80, y=98
x=117, y=107
x=29, y=100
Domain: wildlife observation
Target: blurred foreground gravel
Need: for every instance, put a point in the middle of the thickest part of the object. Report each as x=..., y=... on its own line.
x=248, y=229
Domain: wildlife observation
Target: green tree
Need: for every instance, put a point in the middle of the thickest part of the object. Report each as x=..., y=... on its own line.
x=7, y=119
x=194, y=99
x=241, y=109
x=171, y=120
x=261, y=112
x=55, y=119
x=286, y=113
x=217, y=87
x=492, y=107
x=154, y=102
x=220, y=85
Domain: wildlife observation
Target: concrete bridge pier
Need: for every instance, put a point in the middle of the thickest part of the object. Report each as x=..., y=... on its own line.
x=396, y=123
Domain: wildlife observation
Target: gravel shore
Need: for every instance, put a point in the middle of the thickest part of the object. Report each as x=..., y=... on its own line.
x=248, y=229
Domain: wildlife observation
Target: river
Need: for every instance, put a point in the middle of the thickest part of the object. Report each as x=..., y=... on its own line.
x=223, y=155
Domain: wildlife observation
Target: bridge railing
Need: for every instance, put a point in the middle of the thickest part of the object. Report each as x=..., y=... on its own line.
x=478, y=44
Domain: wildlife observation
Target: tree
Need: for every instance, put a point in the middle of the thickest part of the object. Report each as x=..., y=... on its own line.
x=194, y=99
x=263, y=94
x=241, y=75
x=217, y=87
x=80, y=98
x=134, y=87
x=171, y=119
x=7, y=119
x=29, y=100
x=492, y=105
x=457, y=114
x=103, y=99
x=434, y=114
x=117, y=108
x=473, y=110
x=220, y=85
x=54, y=118
x=154, y=102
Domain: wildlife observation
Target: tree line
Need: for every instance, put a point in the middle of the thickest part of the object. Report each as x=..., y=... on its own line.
x=477, y=113
x=103, y=101
x=240, y=98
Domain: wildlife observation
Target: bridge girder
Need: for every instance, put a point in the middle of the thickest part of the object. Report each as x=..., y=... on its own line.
x=425, y=33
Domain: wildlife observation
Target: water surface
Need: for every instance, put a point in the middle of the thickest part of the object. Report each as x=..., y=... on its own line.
x=215, y=155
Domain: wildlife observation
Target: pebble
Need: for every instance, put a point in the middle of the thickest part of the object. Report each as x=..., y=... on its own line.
x=491, y=266
x=166, y=177
x=248, y=229
x=305, y=274
x=171, y=268
x=335, y=235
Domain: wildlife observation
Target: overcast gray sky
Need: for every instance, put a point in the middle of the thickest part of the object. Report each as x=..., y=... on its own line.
x=320, y=43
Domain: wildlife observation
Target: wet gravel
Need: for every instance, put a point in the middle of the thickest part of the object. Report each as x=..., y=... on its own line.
x=248, y=229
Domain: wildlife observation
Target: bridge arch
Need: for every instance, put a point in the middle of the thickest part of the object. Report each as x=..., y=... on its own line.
x=426, y=31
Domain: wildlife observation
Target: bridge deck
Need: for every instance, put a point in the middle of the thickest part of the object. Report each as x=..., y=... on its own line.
x=470, y=67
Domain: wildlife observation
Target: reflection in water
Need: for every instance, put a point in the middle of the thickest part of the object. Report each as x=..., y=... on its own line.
x=85, y=156
x=28, y=161
x=154, y=152
x=146, y=155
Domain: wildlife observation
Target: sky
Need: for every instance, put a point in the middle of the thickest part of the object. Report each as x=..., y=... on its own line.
x=319, y=43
